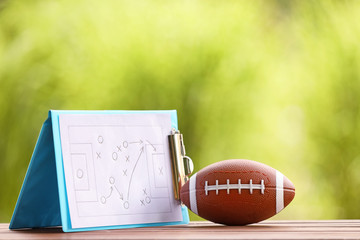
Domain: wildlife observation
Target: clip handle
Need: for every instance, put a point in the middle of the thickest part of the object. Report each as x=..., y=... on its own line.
x=182, y=165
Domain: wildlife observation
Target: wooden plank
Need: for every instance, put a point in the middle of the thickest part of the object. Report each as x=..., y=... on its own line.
x=333, y=229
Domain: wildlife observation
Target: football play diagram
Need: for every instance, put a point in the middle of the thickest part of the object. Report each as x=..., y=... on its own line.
x=117, y=170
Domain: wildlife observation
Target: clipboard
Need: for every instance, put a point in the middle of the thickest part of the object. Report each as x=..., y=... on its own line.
x=88, y=168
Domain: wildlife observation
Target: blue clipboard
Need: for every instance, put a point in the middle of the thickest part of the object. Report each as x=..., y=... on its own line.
x=43, y=201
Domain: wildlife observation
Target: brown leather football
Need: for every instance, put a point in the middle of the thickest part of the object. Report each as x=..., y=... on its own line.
x=237, y=192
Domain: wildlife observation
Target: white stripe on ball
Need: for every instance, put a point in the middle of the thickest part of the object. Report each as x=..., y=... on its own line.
x=192, y=194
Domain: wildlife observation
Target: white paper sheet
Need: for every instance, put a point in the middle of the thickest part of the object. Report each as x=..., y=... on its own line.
x=117, y=169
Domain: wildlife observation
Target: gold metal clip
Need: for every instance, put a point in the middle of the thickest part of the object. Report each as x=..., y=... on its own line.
x=182, y=165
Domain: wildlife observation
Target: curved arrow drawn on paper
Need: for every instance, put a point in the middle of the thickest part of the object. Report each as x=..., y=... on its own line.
x=132, y=173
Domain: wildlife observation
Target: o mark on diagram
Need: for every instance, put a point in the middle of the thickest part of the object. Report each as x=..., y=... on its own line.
x=112, y=180
x=103, y=200
x=125, y=144
x=79, y=173
x=114, y=156
x=147, y=200
x=100, y=139
x=126, y=205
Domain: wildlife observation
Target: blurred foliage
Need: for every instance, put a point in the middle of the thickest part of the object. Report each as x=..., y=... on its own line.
x=272, y=81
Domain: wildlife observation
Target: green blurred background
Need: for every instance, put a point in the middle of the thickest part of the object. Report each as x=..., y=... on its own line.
x=272, y=81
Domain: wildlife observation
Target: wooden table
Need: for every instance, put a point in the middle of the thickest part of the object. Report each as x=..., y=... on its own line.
x=334, y=229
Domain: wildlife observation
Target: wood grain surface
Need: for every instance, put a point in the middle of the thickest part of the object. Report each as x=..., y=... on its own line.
x=330, y=229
